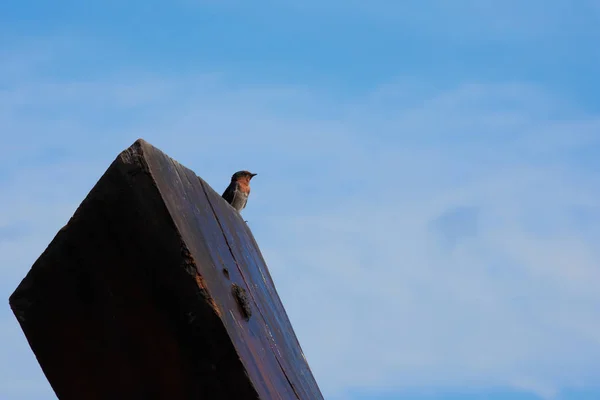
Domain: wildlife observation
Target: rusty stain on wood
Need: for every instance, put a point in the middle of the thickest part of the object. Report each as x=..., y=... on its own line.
x=148, y=290
x=209, y=299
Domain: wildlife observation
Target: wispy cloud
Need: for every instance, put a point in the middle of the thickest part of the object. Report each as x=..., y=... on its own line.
x=504, y=173
x=477, y=21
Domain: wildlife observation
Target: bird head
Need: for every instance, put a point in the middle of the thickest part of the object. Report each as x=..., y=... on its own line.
x=242, y=175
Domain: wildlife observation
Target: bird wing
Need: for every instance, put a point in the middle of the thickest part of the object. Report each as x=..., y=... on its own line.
x=230, y=192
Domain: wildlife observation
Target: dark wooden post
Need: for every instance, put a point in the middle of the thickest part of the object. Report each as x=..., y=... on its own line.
x=156, y=289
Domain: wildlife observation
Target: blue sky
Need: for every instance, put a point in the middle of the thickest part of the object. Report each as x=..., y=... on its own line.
x=438, y=238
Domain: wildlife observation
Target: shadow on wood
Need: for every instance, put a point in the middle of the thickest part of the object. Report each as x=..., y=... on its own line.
x=156, y=289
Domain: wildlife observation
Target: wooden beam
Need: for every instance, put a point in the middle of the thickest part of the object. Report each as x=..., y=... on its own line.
x=156, y=289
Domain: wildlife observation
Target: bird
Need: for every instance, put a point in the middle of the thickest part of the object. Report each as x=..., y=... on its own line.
x=238, y=190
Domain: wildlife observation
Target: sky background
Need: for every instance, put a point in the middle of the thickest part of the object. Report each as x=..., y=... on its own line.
x=439, y=161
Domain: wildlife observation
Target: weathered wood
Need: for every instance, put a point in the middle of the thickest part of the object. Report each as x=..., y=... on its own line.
x=156, y=289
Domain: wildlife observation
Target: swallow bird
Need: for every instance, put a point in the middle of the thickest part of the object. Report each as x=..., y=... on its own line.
x=238, y=190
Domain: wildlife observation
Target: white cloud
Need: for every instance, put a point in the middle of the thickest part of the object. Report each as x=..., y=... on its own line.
x=469, y=21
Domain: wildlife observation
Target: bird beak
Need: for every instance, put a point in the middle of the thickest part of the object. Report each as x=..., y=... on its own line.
x=253, y=175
